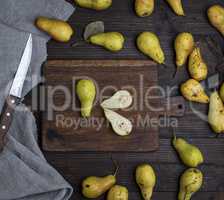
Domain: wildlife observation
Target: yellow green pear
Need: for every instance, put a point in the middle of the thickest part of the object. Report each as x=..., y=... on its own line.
x=144, y=8
x=146, y=180
x=193, y=91
x=216, y=113
x=94, y=4
x=177, y=7
x=86, y=92
x=118, y=192
x=93, y=187
x=196, y=66
x=59, y=30
x=112, y=41
x=149, y=44
x=190, y=155
x=190, y=182
x=184, y=44
x=221, y=92
x=216, y=17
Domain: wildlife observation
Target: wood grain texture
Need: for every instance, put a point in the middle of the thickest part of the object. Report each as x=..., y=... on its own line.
x=121, y=17
x=68, y=131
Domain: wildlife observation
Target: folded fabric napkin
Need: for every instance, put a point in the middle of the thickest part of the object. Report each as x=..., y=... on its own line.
x=24, y=172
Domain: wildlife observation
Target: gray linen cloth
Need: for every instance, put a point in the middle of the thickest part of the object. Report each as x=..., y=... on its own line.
x=24, y=172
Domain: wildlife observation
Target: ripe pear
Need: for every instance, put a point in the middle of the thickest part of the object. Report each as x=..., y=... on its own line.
x=146, y=180
x=93, y=187
x=144, y=8
x=184, y=44
x=190, y=155
x=94, y=4
x=197, y=67
x=216, y=113
x=113, y=41
x=149, y=44
x=216, y=17
x=121, y=125
x=120, y=100
x=86, y=92
x=118, y=192
x=177, y=7
x=59, y=30
x=193, y=91
x=221, y=92
x=190, y=182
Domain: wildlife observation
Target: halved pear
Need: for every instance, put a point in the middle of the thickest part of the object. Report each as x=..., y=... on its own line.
x=121, y=125
x=120, y=100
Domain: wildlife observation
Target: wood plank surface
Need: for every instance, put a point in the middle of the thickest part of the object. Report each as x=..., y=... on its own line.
x=121, y=17
x=109, y=76
x=63, y=131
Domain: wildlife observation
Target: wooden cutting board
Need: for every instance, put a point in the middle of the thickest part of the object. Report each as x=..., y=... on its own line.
x=63, y=128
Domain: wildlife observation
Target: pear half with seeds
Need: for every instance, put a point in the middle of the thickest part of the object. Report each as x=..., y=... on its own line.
x=121, y=125
x=120, y=100
x=192, y=90
x=216, y=113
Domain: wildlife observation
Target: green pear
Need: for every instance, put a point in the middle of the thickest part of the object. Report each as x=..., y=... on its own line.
x=197, y=66
x=190, y=182
x=216, y=113
x=177, y=7
x=118, y=192
x=59, y=30
x=190, y=155
x=146, y=180
x=221, y=92
x=149, y=44
x=216, y=17
x=93, y=187
x=144, y=8
x=94, y=4
x=192, y=90
x=112, y=41
x=184, y=45
x=86, y=92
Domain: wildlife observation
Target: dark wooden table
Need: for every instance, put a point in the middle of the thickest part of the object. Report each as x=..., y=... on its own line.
x=75, y=166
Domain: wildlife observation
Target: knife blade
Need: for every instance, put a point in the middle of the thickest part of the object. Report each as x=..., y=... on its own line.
x=15, y=93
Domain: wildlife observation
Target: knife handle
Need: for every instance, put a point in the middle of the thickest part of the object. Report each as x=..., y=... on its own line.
x=6, y=118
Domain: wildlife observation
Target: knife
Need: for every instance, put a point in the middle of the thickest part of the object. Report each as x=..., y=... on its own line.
x=15, y=93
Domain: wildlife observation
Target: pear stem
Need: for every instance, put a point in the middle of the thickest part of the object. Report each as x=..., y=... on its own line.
x=165, y=65
x=174, y=134
x=78, y=43
x=175, y=73
x=116, y=166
